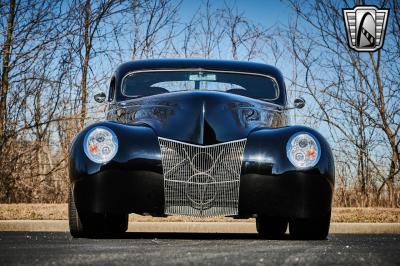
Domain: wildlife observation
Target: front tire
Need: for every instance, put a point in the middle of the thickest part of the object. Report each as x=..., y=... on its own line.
x=87, y=224
x=75, y=224
x=310, y=229
x=271, y=227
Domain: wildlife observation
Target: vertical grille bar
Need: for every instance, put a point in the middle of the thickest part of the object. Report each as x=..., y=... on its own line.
x=201, y=180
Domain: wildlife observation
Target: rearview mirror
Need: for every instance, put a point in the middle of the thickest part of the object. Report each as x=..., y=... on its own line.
x=100, y=97
x=299, y=103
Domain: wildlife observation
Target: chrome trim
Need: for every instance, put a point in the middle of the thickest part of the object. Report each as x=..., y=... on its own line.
x=204, y=70
x=201, y=180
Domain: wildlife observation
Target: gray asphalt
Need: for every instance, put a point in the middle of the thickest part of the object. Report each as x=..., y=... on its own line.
x=27, y=248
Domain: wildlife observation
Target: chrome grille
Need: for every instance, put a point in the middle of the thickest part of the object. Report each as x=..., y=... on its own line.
x=201, y=180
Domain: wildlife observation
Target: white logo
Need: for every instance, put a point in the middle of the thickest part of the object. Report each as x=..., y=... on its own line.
x=366, y=27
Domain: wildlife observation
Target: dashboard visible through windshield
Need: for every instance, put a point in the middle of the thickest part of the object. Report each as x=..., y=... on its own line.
x=146, y=83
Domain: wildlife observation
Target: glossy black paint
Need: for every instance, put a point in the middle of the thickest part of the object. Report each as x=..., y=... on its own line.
x=271, y=185
x=199, y=117
x=132, y=182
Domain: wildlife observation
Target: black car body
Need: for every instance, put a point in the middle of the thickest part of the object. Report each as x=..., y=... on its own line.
x=200, y=152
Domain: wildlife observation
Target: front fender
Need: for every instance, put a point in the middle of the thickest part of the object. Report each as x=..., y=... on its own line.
x=266, y=152
x=138, y=149
x=271, y=185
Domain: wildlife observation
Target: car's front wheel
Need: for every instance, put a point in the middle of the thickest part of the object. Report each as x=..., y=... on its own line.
x=310, y=229
x=86, y=224
x=271, y=227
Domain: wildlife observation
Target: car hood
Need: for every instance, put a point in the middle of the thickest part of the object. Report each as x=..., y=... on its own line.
x=199, y=117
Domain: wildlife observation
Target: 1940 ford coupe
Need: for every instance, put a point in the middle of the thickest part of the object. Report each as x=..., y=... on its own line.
x=200, y=138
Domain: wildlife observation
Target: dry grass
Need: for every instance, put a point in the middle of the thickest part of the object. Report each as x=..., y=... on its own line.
x=366, y=215
x=60, y=211
x=33, y=211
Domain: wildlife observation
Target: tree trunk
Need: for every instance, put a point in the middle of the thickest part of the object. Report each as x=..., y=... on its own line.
x=6, y=54
x=85, y=65
x=5, y=172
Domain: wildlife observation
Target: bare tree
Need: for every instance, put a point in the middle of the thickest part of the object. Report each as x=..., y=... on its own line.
x=154, y=27
x=89, y=29
x=28, y=49
x=55, y=54
x=355, y=93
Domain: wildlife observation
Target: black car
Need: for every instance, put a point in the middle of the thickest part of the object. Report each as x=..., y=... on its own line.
x=200, y=138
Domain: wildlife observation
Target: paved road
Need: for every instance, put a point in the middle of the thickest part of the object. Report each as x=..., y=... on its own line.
x=27, y=248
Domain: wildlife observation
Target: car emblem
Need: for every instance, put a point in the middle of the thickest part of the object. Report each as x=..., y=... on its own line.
x=366, y=27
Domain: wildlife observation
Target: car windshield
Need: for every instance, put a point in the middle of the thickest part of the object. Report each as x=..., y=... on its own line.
x=138, y=84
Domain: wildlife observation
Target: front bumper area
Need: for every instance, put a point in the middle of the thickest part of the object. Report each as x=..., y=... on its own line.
x=119, y=191
x=133, y=181
x=292, y=195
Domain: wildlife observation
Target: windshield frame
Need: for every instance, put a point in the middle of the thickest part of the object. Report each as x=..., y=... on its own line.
x=200, y=70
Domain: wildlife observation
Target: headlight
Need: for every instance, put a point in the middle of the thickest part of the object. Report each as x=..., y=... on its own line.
x=303, y=150
x=100, y=144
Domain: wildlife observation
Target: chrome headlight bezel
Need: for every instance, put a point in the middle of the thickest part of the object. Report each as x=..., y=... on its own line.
x=311, y=149
x=93, y=141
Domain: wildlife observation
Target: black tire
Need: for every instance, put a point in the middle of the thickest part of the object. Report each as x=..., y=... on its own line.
x=310, y=229
x=86, y=224
x=75, y=225
x=271, y=227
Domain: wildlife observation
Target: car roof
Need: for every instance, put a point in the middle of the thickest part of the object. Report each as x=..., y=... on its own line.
x=206, y=64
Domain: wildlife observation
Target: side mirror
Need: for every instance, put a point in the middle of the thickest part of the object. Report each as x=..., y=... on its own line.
x=100, y=97
x=299, y=103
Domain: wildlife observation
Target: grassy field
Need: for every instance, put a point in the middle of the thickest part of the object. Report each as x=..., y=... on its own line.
x=60, y=212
